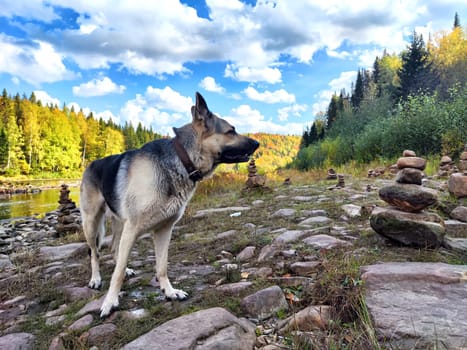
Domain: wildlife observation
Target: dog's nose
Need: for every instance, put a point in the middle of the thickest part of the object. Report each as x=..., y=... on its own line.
x=254, y=144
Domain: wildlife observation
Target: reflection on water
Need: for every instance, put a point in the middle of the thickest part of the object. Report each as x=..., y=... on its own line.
x=32, y=204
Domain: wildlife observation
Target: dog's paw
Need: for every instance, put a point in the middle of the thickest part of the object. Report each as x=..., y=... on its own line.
x=175, y=294
x=95, y=283
x=107, y=307
x=129, y=272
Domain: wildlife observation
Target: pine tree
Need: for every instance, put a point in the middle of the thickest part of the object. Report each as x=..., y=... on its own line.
x=332, y=111
x=4, y=147
x=457, y=22
x=359, y=91
x=416, y=75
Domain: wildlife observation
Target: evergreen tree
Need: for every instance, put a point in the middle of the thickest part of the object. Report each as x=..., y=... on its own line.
x=332, y=111
x=3, y=149
x=457, y=22
x=359, y=91
x=416, y=74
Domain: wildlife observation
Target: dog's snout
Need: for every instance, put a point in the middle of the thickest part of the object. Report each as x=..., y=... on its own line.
x=254, y=144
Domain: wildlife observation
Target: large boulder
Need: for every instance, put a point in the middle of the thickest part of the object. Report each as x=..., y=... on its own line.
x=457, y=184
x=209, y=329
x=418, y=305
x=413, y=229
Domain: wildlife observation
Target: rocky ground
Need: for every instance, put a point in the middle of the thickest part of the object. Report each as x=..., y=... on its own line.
x=289, y=267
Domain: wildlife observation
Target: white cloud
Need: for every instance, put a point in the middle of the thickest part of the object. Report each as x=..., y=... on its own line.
x=160, y=108
x=296, y=110
x=34, y=63
x=209, y=84
x=344, y=81
x=251, y=120
x=46, y=99
x=98, y=87
x=253, y=75
x=278, y=96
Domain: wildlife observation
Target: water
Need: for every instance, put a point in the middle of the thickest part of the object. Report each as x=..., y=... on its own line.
x=30, y=204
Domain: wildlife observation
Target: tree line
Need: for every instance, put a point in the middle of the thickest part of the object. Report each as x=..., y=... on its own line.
x=416, y=99
x=51, y=141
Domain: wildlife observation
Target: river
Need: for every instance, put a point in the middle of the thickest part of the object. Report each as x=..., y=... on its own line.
x=20, y=205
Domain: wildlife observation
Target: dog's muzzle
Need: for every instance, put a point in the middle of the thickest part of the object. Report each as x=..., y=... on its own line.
x=239, y=153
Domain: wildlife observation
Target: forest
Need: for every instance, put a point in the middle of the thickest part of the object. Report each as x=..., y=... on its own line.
x=413, y=100
x=49, y=142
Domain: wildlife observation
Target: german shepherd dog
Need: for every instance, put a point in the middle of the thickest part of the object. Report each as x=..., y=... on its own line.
x=147, y=190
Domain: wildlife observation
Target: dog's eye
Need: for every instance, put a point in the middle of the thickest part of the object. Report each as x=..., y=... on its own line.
x=231, y=132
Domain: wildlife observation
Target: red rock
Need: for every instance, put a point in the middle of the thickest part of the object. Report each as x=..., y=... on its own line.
x=411, y=162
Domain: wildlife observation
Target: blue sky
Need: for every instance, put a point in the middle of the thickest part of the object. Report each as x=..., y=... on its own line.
x=266, y=66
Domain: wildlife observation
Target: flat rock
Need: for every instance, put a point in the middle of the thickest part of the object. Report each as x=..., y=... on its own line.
x=459, y=213
x=291, y=236
x=304, y=268
x=309, y=319
x=457, y=244
x=17, y=341
x=418, y=305
x=411, y=162
x=352, y=210
x=413, y=229
x=246, y=254
x=234, y=288
x=325, y=242
x=62, y=252
x=209, y=329
x=284, y=213
x=408, y=197
x=456, y=228
x=264, y=303
x=5, y=262
x=315, y=221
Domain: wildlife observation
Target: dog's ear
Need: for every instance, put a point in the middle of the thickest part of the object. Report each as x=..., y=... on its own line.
x=200, y=111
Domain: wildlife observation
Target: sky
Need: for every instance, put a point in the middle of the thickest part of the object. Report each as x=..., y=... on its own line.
x=265, y=66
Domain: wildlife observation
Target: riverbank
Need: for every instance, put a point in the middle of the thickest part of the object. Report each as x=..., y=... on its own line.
x=287, y=268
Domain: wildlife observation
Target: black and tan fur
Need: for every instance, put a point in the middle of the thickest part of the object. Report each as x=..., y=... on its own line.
x=147, y=190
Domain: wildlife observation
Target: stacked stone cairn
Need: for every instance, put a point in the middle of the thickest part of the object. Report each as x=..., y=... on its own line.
x=331, y=174
x=254, y=180
x=377, y=172
x=457, y=182
x=67, y=220
x=463, y=160
x=446, y=167
x=405, y=221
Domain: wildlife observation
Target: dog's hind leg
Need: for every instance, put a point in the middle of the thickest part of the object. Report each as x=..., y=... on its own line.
x=161, y=239
x=127, y=240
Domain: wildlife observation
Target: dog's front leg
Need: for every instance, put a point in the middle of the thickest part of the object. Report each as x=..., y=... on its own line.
x=161, y=246
x=126, y=243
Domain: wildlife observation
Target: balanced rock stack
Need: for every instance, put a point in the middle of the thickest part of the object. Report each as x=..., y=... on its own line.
x=405, y=222
x=446, y=166
x=254, y=180
x=457, y=182
x=332, y=175
x=67, y=221
x=463, y=160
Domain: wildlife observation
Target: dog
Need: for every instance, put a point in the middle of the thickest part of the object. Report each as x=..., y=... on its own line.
x=148, y=189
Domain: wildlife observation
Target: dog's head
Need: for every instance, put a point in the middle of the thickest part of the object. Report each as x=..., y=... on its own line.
x=219, y=140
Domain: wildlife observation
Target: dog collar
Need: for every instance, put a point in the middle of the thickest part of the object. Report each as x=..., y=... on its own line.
x=193, y=173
